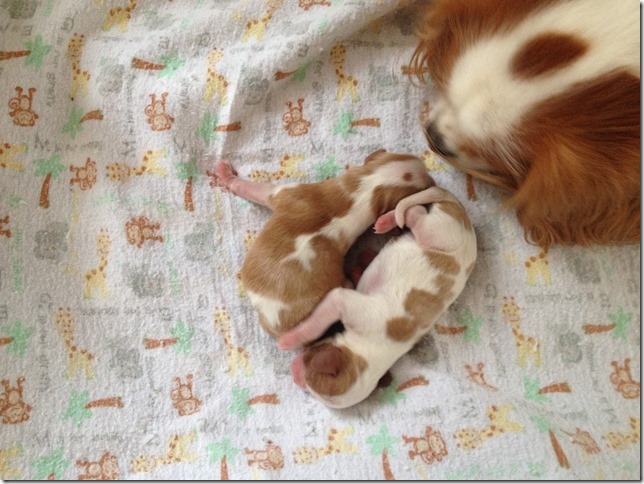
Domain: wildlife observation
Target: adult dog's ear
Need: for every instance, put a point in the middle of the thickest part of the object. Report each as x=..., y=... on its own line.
x=374, y=156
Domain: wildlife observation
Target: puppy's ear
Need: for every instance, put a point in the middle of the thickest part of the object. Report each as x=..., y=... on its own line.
x=374, y=156
x=328, y=361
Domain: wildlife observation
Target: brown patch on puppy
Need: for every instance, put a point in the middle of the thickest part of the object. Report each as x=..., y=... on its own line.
x=384, y=197
x=546, y=53
x=407, y=176
x=445, y=263
x=401, y=328
x=457, y=211
x=332, y=370
x=374, y=155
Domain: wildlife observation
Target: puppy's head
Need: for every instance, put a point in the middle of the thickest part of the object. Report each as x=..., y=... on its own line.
x=531, y=109
x=334, y=374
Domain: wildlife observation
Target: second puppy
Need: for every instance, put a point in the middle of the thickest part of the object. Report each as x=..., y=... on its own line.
x=298, y=257
x=407, y=287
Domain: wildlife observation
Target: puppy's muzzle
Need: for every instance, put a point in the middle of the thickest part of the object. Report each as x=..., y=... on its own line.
x=437, y=141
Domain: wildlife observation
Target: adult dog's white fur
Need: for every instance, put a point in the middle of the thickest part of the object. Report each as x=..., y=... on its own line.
x=404, y=290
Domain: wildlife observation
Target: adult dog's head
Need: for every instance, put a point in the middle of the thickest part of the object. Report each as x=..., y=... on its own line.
x=541, y=97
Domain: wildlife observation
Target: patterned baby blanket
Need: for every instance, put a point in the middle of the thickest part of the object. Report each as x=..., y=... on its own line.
x=129, y=350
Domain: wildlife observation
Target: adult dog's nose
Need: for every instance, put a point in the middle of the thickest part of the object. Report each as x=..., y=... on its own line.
x=436, y=140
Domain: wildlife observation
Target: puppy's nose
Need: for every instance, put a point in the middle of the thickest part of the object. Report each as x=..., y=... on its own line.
x=436, y=140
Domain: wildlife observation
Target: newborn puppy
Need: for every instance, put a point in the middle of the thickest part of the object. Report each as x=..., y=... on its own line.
x=409, y=284
x=298, y=257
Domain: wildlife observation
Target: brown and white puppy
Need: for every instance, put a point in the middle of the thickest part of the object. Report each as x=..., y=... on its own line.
x=298, y=257
x=541, y=97
x=404, y=290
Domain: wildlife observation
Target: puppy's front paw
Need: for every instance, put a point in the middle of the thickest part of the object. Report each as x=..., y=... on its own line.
x=226, y=173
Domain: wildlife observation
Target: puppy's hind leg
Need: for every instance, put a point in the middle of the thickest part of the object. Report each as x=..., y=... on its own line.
x=253, y=191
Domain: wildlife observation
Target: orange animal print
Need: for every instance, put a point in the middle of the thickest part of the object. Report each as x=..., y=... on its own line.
x=257, y=27
x=4, y=222
x=620, y=441
x=216, y=83
x=294, y=122
x=538, y=266
x=268, y=459
x=13, y=408
x=79, y=78
x=429, y=447
x=471, y=438
x=8, y=156
x=120, y=16
x=6, y=471
x=307, y=4
x=140, y=229
x=95, y=278
x=177, y=452
x=527, y=346
x=237, y=356
x=155, y=111
x=287, y=169
x=623, y=381
x=336, y=443
x=183, y=398
x=77, y=359
x=148, y=165
x=84, y=176
x=347, y=85
x=21, y=113
x=478, y=377
x=104, y=469
x=584, y=440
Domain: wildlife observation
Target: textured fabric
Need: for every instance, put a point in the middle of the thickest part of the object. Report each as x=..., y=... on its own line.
x=128, y=348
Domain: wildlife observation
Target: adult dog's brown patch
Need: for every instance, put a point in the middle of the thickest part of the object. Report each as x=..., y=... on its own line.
x=547, y=53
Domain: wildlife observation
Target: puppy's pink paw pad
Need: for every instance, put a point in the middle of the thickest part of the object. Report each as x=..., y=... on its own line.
x=225, y=172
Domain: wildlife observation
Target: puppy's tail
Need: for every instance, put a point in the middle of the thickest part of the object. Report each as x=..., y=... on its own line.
x=431, y=195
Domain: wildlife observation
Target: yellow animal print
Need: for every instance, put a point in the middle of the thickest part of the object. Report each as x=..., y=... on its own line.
x=471, y=438
x=538, y=266
x=147, y=166
x=347, y=85
x=6, y=471
x=177, y=452
x=336, y=443
x=120, y=16
x=236, y=356
x=257, y=27
x=77, y=359
x=80, y=78
x=216, y=83
x=620, y=441
x=287, y=169
x=95, y=278
x=8, y=154
x=527, y=346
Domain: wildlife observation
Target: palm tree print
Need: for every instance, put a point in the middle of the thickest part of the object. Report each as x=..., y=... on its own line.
x=242, y=401
x=394, y=392
x=167, y=67
x=16, y=338
x=180, y=341
x=79, y=407
x=346, y=125
x=188, y=172
x=51, y=466
x=224, y=452
x=49, y=168
x=209, y=127
x=469, y=326
x=382, y=443
x=34, y=53
x=618, y=326
x=298, y=74
x=326, y=169
x=534, y=391
x=544, y=426
x=76, y=119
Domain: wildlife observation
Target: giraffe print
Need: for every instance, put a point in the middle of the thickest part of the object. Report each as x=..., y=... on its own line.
x=621, y=441
x=257, y=27
x=236, y=356
x=4, y=227
x=287, y=169
x=527, y=346
x=347, y=85
x=471, y=438
x=216, y=83
x=538, y=266
x=147, y=166
x=8, y=154
x=177, y=452
x=80, y=78
x=95, y=278
x=6, y=470
x=120, y=16
x=336, y=444
x=77, y=359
